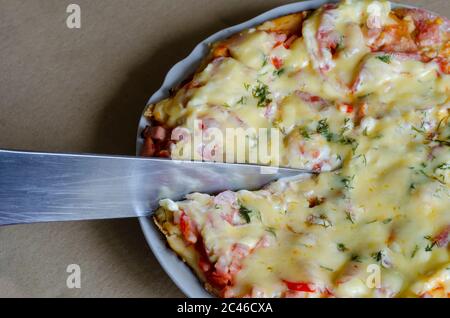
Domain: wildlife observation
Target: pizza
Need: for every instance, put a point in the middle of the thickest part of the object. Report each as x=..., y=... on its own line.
x=358, y=92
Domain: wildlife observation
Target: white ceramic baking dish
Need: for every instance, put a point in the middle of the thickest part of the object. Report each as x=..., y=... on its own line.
x=178, y=271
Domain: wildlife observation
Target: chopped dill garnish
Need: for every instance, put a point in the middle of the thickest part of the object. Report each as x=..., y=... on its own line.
x=442, y=142
x=347, y=182
x=443, y=166
x=247, y=213
x=430, y=137
x=387, y=221
x=414, y=252
x=377, y=256
x=349, y=217
x=324, y=129
x=279, y=72
x=349, y=141
x=420, y=131
x=265, y=60
x=327, y=268
x=355, y=258
x=364, y=96
x=429, y=247
x=385, y=58
x=321, y=220
x=262, y=93
x=363, y=157
x=440, y=122
x=243, y=100
x=304, y=132
x=431, y=177
x=272, y=231
x=341, y=247
x=345, y=127
x=432, y=244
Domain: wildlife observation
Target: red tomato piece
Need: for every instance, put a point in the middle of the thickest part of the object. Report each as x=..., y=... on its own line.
x=289, y=41
x=441, y=239
x=299, y=286
x=187, y=228
x=277, y=62
x=346, y=108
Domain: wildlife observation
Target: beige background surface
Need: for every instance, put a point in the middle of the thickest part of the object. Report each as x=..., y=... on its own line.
x=83, y=91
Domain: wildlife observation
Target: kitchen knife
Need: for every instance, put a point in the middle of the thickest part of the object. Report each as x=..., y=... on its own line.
x=44, y=187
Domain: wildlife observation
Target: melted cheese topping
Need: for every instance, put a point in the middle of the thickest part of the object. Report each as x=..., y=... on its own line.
x=383, y=117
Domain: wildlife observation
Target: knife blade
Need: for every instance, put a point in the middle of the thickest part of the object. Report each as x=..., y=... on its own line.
x=45, y=187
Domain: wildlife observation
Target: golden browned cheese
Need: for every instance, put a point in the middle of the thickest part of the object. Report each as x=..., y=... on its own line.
x=357, y=86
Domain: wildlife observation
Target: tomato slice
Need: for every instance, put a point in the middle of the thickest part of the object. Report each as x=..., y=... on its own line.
x=187, y=228
x=277, y=62
x=346, y=108
x=444, y=66
x=299, y=286
x=290, y=40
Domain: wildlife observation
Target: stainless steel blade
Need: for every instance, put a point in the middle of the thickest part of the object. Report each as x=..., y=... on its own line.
x=44, y=187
